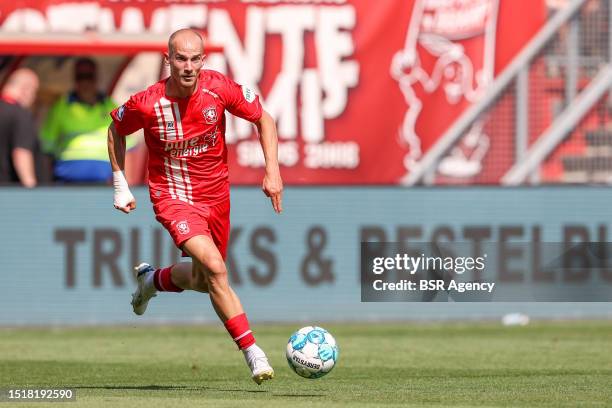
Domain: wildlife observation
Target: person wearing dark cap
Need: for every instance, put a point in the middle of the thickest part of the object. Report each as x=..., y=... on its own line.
x=74, y=131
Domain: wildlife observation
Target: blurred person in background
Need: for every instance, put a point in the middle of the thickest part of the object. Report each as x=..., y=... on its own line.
x=19, y=144
x=74, y=131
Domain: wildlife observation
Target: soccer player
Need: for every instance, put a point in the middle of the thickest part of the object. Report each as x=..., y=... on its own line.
x=184, y=124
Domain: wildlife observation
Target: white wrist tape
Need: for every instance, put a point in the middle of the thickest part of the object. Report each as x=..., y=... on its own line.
x=119, y=182
x=123, y=195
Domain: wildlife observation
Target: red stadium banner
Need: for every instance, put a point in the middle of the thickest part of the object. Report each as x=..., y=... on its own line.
x=360, y=89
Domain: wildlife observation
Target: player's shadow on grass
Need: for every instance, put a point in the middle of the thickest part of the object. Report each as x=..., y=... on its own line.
x=234, y=390
x=153, y=387
x=140, y=388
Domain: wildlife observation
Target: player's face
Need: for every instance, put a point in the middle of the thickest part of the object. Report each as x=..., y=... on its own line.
x=186, y=62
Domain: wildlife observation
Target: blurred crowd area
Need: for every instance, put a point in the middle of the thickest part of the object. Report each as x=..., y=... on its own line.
x=53, y=117
x=578, y=52
x=593, y=36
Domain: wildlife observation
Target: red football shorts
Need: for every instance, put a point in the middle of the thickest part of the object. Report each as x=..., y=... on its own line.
x=184, y=221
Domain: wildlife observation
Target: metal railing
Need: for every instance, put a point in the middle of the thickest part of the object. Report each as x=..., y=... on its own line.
x=538, y=127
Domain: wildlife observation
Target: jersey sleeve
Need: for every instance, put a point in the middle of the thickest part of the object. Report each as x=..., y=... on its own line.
x=241, y=101
x=129, y=117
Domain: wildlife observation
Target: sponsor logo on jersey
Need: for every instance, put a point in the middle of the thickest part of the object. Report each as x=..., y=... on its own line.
x=182, y=227
x=191, y=147
x=211, y=93
x=248, y=94
x=120, y=112
x=210, y=115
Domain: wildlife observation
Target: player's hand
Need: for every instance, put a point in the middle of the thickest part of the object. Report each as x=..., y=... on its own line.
x=272, y=186
x=125, y=201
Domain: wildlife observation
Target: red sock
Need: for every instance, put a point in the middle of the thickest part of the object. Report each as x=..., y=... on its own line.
x=238, y=328
x=163, y=280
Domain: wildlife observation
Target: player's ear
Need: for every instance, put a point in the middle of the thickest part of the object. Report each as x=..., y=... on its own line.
x=166, y=58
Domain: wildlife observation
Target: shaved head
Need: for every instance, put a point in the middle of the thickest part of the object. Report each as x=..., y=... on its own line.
x=22, y=76
x=22, y=86
x=184, y=35
x=185, y=57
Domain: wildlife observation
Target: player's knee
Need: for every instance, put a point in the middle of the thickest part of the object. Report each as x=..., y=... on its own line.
x=217, y=274
x=217, y=268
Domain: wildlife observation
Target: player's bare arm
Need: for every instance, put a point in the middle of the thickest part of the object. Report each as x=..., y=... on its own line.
x=123, y=198
x=272, y=184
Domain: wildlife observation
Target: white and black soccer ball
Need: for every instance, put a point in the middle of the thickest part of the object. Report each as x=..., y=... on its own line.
x=312, y=352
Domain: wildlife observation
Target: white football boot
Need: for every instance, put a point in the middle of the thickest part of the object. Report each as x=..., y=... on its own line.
x=145, y=289
x=258, y=363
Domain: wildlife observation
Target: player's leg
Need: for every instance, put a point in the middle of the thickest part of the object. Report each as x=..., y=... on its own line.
x=179, y=276
x=209, y=265
x=173, y=278
x=183, y=276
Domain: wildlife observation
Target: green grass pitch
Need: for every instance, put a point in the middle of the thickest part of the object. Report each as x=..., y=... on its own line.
x=559, y=364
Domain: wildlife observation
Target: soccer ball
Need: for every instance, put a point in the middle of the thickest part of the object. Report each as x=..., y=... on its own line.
x=312, y=352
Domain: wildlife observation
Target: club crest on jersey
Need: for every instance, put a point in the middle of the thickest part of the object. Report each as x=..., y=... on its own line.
x=170, y=125
x=210, y=115
x=182, y=227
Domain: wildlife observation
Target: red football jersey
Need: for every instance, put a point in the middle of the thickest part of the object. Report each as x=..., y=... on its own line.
x=186, y=136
